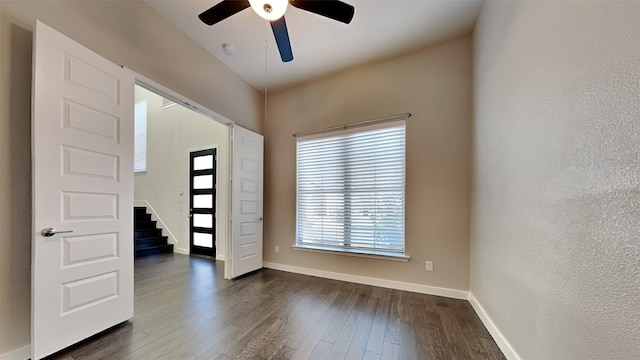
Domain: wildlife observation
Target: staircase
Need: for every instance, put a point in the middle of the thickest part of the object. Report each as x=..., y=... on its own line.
x=147, y=236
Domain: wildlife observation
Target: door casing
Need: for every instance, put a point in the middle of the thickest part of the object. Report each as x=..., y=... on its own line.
x=160, y=89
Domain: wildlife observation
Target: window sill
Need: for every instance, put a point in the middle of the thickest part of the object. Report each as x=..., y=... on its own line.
x=357, y=253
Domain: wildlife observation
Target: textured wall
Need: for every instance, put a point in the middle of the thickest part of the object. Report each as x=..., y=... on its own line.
x=555, y=246
x=435, y=86
x=128, y=33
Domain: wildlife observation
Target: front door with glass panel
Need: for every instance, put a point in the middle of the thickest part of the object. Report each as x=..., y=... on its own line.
x=202, y=214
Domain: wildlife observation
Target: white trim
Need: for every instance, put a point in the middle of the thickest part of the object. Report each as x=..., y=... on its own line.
x=502, y=342
x=167, y=93
x=391, y=284
x=220, y=257
x=228, y=250
x=22, y=353
x=350, y=252
x=172, y=238
x=182, y=251
x=174, y=96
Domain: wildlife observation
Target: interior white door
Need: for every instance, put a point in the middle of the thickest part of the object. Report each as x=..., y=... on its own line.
x=246, y=201
x=82, y=158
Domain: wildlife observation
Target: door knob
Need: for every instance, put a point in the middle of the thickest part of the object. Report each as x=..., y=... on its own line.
x=260, y=218
x=48, y=232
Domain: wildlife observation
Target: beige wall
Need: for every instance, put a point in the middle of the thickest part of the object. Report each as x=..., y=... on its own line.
x=556, y=219
x=128, y=33
x=172, y=133
x=15, y=185
x=435, y=86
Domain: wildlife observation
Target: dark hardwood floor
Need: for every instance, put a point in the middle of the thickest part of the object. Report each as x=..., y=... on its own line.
x=184, y=309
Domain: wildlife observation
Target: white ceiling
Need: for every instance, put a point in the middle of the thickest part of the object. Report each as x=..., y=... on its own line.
x=380, y=29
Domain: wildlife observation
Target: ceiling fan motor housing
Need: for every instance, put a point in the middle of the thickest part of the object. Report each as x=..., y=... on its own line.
x=271, y=9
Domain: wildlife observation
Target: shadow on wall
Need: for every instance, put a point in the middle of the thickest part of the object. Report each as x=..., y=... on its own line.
x=15, y=185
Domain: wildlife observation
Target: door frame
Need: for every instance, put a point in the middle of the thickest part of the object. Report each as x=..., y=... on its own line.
x=167, y=93
x=215, y=203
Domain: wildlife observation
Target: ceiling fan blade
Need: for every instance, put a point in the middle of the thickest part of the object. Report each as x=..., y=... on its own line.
x=223, y=10
x=333, y=9
x=281, y=34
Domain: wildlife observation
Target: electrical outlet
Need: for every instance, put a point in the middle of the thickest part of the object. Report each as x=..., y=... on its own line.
x=428, y=265
x=277, y=249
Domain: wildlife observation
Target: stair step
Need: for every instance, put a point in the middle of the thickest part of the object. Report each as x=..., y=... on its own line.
x=139, y=210
x=142, y=225
x=154, y=250
x=148, y=239
x=141, y=243
x=147, y=233
x=141, y=217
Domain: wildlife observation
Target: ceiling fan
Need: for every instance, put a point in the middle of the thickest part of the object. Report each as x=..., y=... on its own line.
x=273, y=10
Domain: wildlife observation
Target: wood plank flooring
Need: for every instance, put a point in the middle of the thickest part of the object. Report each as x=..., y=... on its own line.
x=184, y=309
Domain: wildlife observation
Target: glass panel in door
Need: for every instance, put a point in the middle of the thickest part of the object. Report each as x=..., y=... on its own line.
x=202, y=194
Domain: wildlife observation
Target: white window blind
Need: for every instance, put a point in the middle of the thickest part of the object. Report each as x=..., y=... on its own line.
x=140, y=140
x=350, y=190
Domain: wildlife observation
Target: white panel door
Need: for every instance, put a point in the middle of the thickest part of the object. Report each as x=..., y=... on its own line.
x=82, y=158
x=246, y=202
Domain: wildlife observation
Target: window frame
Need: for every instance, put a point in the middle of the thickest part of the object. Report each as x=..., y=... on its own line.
x=345, y=249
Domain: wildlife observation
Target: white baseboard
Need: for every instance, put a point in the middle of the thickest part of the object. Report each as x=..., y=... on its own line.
x=502, y=342
x=182, y=251
x=397, y=285
x=22, y=353
x=172, y=239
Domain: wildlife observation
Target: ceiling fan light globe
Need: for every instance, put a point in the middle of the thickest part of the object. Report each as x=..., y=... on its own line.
x=269, y=9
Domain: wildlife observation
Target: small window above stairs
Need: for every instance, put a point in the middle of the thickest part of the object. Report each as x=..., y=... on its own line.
x=147, y=237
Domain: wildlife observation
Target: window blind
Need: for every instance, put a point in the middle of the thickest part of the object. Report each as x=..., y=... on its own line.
x=140, y=139
x=350, y=189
